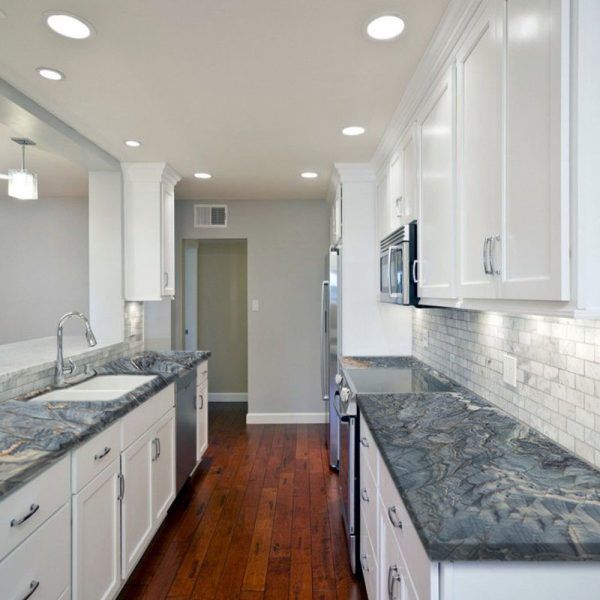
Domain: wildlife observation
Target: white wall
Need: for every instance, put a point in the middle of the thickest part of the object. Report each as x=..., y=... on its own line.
x=287, y=243
x=44, y=265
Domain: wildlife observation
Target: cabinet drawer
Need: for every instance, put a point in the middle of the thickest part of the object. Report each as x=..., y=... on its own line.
x=27, y=508
x=367, y=495
x=138, y=421
x=395, y=515
x=91, y=458
x=368, y=448
x=368, y=561
x=41, y=562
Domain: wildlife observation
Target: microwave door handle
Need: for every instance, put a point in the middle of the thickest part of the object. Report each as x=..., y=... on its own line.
x=324, y=337
x=405, y=275
x=390, y=272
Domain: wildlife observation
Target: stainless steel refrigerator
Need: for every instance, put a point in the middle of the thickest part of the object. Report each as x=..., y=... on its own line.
x=329, y=349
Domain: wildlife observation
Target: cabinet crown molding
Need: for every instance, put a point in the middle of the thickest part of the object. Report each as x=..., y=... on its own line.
x=354, y=172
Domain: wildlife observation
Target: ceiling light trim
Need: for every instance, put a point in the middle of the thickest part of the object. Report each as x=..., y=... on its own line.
x=379, y=16
x=60, y=13
x=48, y=70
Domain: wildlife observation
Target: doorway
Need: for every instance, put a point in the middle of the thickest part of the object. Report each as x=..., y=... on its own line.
x=216, y=313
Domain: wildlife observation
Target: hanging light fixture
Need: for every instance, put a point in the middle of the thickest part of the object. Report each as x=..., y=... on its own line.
x=22, y=184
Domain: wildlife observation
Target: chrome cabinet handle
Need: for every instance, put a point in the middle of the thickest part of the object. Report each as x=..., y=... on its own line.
x=121, y=479
x=32, y=510
x=364, y=495
x=493, y=267
x=201, y=401
x=364, y=442
x=166, y=279
x=394, y=577
x=33, y=586
x=414, y=270
x=394, y=518
x=158, y=447
x=487, y=269
x=363, y=563
x=154, y=450
x=102, y=454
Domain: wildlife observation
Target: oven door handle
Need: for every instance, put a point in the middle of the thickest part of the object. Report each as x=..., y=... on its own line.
x=324, y=338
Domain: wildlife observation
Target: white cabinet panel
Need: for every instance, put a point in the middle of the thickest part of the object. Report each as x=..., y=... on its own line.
x=96, y=537
x=163, y=467
x=202, y=415
x=136, y=505
x=536, y=202
x=168, y=239
x=382, y=206
x=437, y=199
x=368, y=561
x=410, y=176
x=479, y=157
x=40, y=566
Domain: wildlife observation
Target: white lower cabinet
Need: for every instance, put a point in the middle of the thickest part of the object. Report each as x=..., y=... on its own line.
x=97, y=536
x=163, y=467
x=202, y=414
x=39, y=568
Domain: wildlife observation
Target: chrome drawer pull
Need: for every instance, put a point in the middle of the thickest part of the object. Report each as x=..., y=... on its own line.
x=33, y=586
x=201, y=401
x=394, y=519
x=364, y=495
x=158, y=447
x=32, y=510
x=102, y=454
x=121, y=479
x=363, y=563
x=364, y=442
x=394, y=577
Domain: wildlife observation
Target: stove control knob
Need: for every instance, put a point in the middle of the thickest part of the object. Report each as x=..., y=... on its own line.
x=345, y=394
x=338, y=378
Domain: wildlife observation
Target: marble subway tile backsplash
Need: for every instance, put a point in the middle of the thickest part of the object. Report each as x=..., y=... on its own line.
x=28, y=379
x=558, y=368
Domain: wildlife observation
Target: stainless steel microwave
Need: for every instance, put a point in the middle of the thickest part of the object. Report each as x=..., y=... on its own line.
x=398, y=266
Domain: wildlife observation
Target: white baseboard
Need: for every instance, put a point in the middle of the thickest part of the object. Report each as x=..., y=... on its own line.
x=285, y=418
x=226, y=397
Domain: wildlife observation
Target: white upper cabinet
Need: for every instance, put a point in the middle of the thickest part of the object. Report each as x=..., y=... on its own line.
x=536, y=253
x=479, y=152
x=437, y=209
x=407, y=208
x=149, y=230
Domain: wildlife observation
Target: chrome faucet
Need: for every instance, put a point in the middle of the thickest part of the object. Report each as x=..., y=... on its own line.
x=70, y=368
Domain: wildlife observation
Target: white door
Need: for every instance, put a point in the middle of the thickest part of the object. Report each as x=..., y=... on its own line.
x=163, y=466
x=96, y=537
x=136, y=505
x=479, y=156
x=168, y=239
x=437, y=206
x=535, y=235
x=409, y=176
x=190, y=301
x=202, y=416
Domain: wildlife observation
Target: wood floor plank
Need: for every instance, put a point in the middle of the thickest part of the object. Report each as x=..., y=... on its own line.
x=260, y=520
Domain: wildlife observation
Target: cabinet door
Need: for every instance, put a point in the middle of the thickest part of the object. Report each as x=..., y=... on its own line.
x=479, y=158
x=168, y=239
x=395, y=200
x=409, y=176
x=383, y=213
x=202, y=417
x=437, y=205
x=136, y=505
x=535, y=251
x=163, y=467
x=96, y=536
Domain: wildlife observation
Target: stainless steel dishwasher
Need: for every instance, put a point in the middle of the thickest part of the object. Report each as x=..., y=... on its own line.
x=185, y=411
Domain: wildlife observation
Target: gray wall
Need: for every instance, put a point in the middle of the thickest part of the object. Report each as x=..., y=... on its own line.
x=287, y=242
x=44, y=265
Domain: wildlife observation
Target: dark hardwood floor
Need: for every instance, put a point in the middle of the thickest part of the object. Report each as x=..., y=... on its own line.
x=259, y=520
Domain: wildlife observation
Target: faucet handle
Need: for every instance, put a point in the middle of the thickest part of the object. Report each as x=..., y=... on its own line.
x=71, y=368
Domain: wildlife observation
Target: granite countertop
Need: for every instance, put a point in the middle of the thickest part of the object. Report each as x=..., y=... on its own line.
x=478, y=484
x=34, y=435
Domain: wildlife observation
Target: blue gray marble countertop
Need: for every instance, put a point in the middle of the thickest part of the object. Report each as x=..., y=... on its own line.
x=34, y=435
x=478, y=484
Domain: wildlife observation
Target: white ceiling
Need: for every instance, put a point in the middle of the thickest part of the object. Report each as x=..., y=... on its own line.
x=253, y=91
x=57, y=177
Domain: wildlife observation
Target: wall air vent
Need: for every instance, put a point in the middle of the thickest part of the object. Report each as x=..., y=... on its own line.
x=210, y=215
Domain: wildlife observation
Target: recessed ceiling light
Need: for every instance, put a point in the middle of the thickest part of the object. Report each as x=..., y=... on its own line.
x=353, y=130
x=69, y=25
x=51, y=74
x=202, y=175
x=309, y=175
x=385, y=27
x=133, y=143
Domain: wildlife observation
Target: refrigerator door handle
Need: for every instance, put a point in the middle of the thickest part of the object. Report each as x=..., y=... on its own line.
x=324, y=339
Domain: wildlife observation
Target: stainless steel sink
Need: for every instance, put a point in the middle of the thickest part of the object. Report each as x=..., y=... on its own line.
x=102, y=388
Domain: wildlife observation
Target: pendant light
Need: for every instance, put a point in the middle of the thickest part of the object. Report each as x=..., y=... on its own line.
x=22, y=184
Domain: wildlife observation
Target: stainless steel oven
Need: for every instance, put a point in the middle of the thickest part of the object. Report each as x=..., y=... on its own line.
x=346, y=409
x=398, y=266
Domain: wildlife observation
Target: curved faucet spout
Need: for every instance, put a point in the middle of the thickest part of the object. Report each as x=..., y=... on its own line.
x=62, y=369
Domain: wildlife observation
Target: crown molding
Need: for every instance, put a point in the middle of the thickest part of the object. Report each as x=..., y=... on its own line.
x=150, y=171
x=354, y=172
